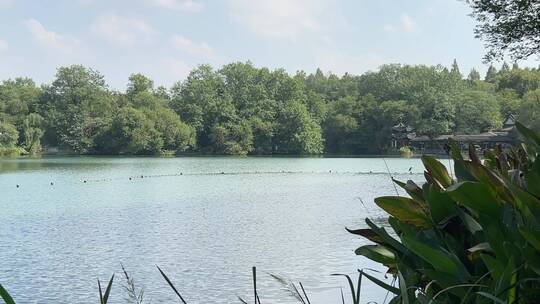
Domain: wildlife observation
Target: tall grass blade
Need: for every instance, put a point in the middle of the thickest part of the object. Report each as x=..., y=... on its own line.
x=351, y=286
x=100, y=292
x=104, y=298
x=382, y=284
x=255, y=294
x=359, y=285
x=298, y=293
x=304, y=291
x=5, y=295
x=174, y=288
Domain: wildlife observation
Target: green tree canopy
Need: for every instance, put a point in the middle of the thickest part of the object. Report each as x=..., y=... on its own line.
x=529, y=110
x=508, y=27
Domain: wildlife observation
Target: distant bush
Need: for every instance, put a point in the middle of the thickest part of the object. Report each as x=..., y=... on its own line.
x=474, y=238
x=11, y=151
x=405, y=151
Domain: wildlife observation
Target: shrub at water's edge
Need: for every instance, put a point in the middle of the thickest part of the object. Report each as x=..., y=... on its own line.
x=406, y=152
x=474, y=238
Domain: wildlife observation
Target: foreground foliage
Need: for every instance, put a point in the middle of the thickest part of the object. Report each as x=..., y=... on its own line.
x=474, y=238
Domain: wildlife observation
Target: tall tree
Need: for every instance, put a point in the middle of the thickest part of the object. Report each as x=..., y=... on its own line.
x=491, y=74
x=32, y=133
x=529, y=110
x=298, y=132
x=508, y=27
x=8, y=135
x=477, y=111
x=455, y=70
x=138, y=83
x=78, y=106
x=473, y=75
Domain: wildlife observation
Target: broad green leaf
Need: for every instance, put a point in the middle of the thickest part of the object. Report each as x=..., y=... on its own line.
x=388, y=240
x=491, y=180
x=529, y=135
x=472, y=225
x=462, y=174
x=439, y=259
x=494, y=266
x=404, y=209
x=477, y=198
x=441, y=205
x=413, y=190
x=377, y=253
x=527, y=204
x=437, y=170
x=366, y=233
x=532, y=177
x=532, y=237
x=478, y=249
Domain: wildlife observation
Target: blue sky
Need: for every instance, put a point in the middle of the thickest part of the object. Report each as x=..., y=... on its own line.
x=164, y=39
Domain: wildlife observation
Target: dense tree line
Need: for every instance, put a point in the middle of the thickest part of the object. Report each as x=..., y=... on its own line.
x=241, y=109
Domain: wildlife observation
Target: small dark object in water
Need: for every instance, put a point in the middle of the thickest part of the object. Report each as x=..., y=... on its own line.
x=142, y=176
x=410, y=169
x=84, y=181
x=17, y=185
x=130, y=178
x=52, y=183
x=222, y=172
x=370, y=171
x=181, y=173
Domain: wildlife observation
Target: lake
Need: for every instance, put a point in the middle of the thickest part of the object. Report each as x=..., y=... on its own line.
x=204, y=220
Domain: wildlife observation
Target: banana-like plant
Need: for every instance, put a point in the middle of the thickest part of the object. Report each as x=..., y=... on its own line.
x=474, y=238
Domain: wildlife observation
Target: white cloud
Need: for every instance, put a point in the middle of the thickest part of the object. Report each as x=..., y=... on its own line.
x=125, y=31
x=406, y=24
x=50, y=39
x=178, y=5
x=279, y=18
x=191, y=47
x=3, y=45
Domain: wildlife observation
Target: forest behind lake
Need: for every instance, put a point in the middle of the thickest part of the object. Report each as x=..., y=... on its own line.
x=243, y=109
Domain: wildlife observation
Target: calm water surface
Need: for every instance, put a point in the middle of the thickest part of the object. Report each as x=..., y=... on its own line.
x=206, y=227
